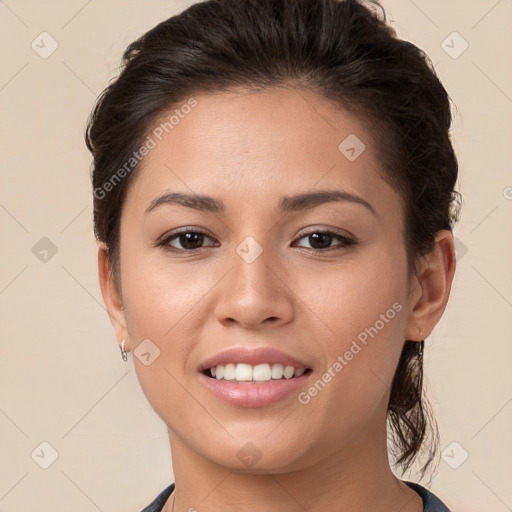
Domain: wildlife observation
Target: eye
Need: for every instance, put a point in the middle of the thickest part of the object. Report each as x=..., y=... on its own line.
x=323, y=239
x=190, y=240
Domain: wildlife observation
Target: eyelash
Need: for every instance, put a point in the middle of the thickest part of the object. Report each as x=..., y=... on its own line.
x=345, y=240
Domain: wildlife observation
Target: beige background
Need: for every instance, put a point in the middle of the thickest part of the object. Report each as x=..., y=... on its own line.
x=62, y=380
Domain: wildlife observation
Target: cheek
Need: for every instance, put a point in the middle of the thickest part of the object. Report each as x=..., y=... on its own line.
x=352, y=296
x=159, y=295
x=163, y=305
x=361, y=316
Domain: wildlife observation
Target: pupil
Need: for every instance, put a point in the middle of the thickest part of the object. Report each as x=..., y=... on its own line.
x=188, y=243
x=321, y=236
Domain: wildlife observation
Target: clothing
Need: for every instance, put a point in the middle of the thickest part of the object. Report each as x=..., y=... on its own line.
x=158, y=504
x=431, y=503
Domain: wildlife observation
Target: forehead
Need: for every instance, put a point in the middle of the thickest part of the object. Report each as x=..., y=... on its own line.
x=255, y=146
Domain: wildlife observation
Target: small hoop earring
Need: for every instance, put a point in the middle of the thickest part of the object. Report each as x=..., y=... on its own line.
x=123, y=351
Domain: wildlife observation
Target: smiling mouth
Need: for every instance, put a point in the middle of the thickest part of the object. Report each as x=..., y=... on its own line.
x=257, y=374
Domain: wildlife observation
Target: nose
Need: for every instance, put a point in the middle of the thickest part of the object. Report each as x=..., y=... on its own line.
x=255, y=293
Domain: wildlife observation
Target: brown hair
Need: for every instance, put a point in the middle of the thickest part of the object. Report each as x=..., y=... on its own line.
x=343, y=50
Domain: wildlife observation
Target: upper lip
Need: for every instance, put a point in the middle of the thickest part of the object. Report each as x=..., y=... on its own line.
x=252, y=356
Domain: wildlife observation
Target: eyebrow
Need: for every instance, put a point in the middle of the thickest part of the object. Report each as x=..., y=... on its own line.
x=287, y=204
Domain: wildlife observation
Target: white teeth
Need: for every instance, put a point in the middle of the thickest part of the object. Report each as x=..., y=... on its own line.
x=243, y=372
x=289, y=371
x=229, y=371
x=277, y=371
x=259, y=373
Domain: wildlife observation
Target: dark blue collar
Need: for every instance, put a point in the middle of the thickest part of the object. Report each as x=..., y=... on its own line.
x=431, y=503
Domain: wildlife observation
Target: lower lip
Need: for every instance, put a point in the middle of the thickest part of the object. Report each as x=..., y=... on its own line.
x=250, y=394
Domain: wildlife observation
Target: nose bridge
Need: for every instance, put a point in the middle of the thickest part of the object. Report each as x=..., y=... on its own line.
x=252, y=275
x=254, y=290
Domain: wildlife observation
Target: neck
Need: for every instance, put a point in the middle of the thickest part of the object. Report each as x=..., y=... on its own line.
x=355, y=479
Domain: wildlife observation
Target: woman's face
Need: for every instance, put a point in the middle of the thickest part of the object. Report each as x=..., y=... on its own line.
x=253, y=281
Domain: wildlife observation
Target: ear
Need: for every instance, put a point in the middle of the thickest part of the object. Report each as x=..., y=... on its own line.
x=433, y=286
x=112, y=296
